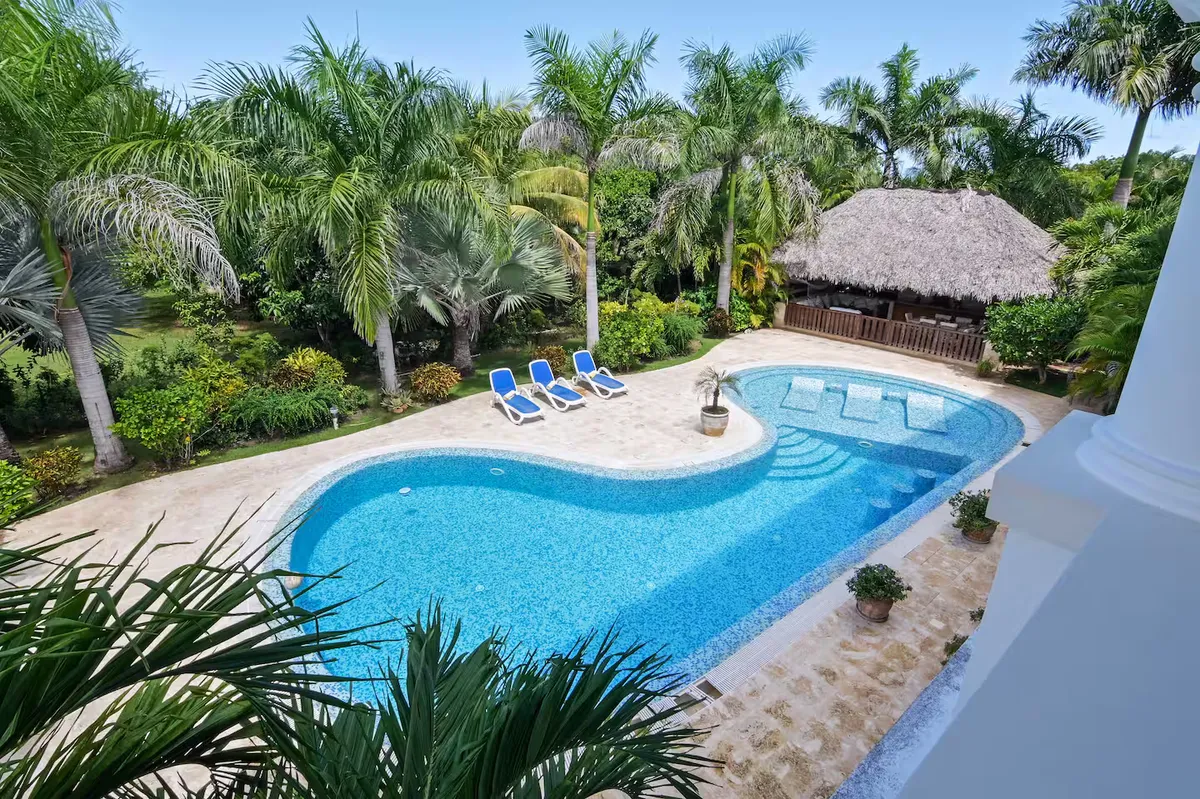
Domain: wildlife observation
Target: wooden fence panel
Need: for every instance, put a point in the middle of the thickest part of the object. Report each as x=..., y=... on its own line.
x=925, y=339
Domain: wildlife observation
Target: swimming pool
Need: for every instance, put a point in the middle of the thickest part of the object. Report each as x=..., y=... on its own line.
x=696, y=560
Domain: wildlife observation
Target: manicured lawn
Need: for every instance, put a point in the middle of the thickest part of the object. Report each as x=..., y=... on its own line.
x=1056, y=384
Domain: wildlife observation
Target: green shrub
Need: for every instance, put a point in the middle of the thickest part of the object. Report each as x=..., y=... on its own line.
x=271, y=413
x=554, y=355
x=985, y=368
x=16, y=492
x=40, y=403
x=54, y=470
x=217, y=381
x=307, y=368
x=680, y=330
x=433, y=382
x=354, y=398
x=970, y=510
x=720, y=323
x=877, y=581
x=952, y=646
x=741, y=315
x=627, y=336
x=256, y=356
x=166, y=421
x=1035, y=332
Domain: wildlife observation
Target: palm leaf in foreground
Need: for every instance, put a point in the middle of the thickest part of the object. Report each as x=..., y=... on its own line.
x=483, y=724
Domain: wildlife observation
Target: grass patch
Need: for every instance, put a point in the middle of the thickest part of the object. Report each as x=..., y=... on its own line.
x=1056, y=384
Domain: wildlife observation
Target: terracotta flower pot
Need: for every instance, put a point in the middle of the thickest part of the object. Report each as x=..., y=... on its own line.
x=714, y=421
x=981, y=536
x=874, y=609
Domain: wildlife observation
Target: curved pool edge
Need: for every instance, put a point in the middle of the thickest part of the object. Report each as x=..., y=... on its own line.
x=747, y=645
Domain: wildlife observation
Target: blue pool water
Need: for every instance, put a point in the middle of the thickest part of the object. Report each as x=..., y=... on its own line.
x=698, y=561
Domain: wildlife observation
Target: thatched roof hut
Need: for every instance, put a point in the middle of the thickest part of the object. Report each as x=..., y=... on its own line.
x=962, y=244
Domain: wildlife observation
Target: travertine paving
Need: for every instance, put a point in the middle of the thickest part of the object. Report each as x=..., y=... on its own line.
x=802, y=723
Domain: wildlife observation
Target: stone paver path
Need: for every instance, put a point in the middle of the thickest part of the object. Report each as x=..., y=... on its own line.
x=803, y=723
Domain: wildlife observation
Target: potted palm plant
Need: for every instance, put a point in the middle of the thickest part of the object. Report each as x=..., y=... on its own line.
x=713, y=417
x=876, y=588
x=970, y=515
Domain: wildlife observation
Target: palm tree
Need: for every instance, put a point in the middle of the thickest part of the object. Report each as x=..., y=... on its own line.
x=1108, y=342
x=736, y=141
x=1019, y=153
x=584, y=96
x=352, y=146
x=213, y=666
x=489, y=141
x=455, y=272
x=84, y=153
x=1132, y=54
x=487, y=723
x=902, y=117
x=29, y=297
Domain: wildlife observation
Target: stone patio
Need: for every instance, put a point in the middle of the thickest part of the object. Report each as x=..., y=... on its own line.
x=795, y=728
x=806, y=720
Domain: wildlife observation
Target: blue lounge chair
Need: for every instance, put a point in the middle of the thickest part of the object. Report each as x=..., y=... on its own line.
x=556, y=390
x=599, y=380
x=516, y=406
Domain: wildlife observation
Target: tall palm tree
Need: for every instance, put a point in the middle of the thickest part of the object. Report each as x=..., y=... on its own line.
x=1019, y=153
x=351, y=145
x=583, y=96
x=735, y=141
x=86, y=153
x=489, y=141
x=455, y=272
x=1132, y=54
x=902, y=117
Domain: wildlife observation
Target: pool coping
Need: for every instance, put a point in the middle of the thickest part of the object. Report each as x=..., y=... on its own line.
x=884, y=543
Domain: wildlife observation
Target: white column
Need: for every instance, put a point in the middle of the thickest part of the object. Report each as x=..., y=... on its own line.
x=1150, y=448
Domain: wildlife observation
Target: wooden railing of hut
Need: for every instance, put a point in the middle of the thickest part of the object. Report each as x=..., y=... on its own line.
x=938, y=342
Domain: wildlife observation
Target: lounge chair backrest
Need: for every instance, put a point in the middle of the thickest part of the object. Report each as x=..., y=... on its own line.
x=584, y=363
x=541, y=372
x=503, y=382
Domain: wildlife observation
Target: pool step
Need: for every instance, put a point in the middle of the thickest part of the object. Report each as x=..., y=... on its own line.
x=807, y=454
x=829, y=463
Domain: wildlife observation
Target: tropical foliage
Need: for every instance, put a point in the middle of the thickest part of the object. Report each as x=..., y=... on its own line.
x=1132, y=54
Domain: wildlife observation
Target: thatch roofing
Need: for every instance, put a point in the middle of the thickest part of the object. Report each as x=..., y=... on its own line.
x=953, y=243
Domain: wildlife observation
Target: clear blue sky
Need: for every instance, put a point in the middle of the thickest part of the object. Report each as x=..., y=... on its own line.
x=478, y=41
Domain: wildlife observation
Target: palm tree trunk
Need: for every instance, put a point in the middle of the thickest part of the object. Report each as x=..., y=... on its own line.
x=111, y=456
x=726, y=273
x=591, y=293
x=385, y=353
x=461, y=334
x=1124, y=187
x=7, y=451
x=891, y=171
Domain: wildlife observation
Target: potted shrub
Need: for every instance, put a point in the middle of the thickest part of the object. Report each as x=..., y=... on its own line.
x=970, y=515
x=876, y=588
x=713, y=417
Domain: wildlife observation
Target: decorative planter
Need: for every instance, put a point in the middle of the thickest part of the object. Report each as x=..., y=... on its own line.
x=714, y=421
x=876, y=610
x=981, y=536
